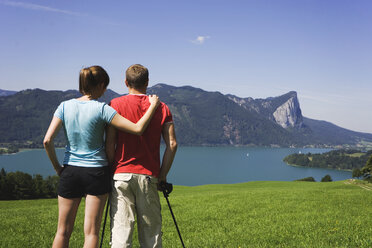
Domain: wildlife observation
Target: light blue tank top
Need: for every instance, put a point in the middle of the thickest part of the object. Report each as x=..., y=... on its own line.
x=84, y=124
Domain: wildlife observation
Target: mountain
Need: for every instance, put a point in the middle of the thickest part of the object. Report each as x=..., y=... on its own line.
x=7, y=92
x=25, y=116
x=201, y=118
x=324, y=131
x=212, y=118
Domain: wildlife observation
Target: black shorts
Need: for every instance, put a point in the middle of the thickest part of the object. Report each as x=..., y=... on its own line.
x=76, y=181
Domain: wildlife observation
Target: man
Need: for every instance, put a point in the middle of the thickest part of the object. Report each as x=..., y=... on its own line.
x=136, y=163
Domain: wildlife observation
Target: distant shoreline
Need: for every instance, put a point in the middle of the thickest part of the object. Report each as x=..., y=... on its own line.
x=26, y=149
x=199, y=145
x=301, y=166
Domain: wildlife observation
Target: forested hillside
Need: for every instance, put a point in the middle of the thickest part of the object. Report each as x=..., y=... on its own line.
x=337, y=159
x=201, y=118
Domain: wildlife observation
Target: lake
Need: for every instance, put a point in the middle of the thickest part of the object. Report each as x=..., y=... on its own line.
x=203, y=165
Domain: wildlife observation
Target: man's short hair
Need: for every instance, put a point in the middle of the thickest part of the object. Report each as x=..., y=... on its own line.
x=137, y=76
x=91, y=77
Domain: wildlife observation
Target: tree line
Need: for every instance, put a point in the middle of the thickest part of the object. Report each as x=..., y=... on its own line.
x=19, y=185
x=337, y=159
x=365, y=172
x=8, y=149
x=326, y=178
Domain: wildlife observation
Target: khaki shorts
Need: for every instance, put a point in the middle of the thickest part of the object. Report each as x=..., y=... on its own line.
x=134, y=197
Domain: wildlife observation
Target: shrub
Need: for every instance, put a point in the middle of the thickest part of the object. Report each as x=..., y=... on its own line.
x=307, y=179
x=367, y=170
x=326, y=178
x=357, y=173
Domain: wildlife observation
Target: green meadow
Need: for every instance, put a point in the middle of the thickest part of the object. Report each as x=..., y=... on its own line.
x=254, y=214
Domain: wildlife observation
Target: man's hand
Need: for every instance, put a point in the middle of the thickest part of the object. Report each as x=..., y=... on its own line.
x=161, y=181
x=166, y=188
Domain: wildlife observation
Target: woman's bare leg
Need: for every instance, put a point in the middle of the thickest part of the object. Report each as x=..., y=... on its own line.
x=94, y=206
x=67, y=209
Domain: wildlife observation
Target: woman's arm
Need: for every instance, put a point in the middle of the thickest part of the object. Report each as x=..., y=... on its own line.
x=54, y=127
x=126, y=125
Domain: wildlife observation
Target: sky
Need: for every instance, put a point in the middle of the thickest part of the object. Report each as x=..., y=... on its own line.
x=322, y=49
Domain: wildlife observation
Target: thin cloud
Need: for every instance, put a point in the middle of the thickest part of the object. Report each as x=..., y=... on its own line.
x=200, y=40
x=333, y=98
x=39, y=8
x=316, y=98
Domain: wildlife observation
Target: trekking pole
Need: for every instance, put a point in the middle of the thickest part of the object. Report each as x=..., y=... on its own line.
x=167, y=189
x=104, y=222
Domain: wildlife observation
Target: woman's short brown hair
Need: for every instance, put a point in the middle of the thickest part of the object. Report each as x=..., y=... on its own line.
x=137, y=76
x=91, y=77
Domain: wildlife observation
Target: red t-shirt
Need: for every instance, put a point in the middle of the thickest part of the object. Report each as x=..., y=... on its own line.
x=139, y=154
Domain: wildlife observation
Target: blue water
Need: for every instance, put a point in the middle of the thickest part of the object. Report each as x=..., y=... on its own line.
x=203, y=165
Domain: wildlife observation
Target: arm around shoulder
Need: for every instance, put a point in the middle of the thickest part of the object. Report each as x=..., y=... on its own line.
x=138, y=128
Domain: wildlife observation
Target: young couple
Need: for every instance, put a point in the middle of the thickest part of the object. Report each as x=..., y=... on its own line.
x=134, y=125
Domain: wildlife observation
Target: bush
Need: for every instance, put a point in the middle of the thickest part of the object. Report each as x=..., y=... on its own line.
x=326, y=178
x=357, y=173
x=367, y=170
x=307, y=179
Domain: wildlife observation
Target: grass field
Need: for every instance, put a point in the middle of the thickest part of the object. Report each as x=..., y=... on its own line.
x=356, y=155
x=254, y=214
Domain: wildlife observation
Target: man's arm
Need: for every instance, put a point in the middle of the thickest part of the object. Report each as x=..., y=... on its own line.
x=169, y=137
x=110, y=144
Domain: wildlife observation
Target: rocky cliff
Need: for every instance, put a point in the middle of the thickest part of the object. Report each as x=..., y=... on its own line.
x=289, y=113
x=284, y=110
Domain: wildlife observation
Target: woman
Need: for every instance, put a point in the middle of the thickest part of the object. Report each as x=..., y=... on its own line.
x=86, y=171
